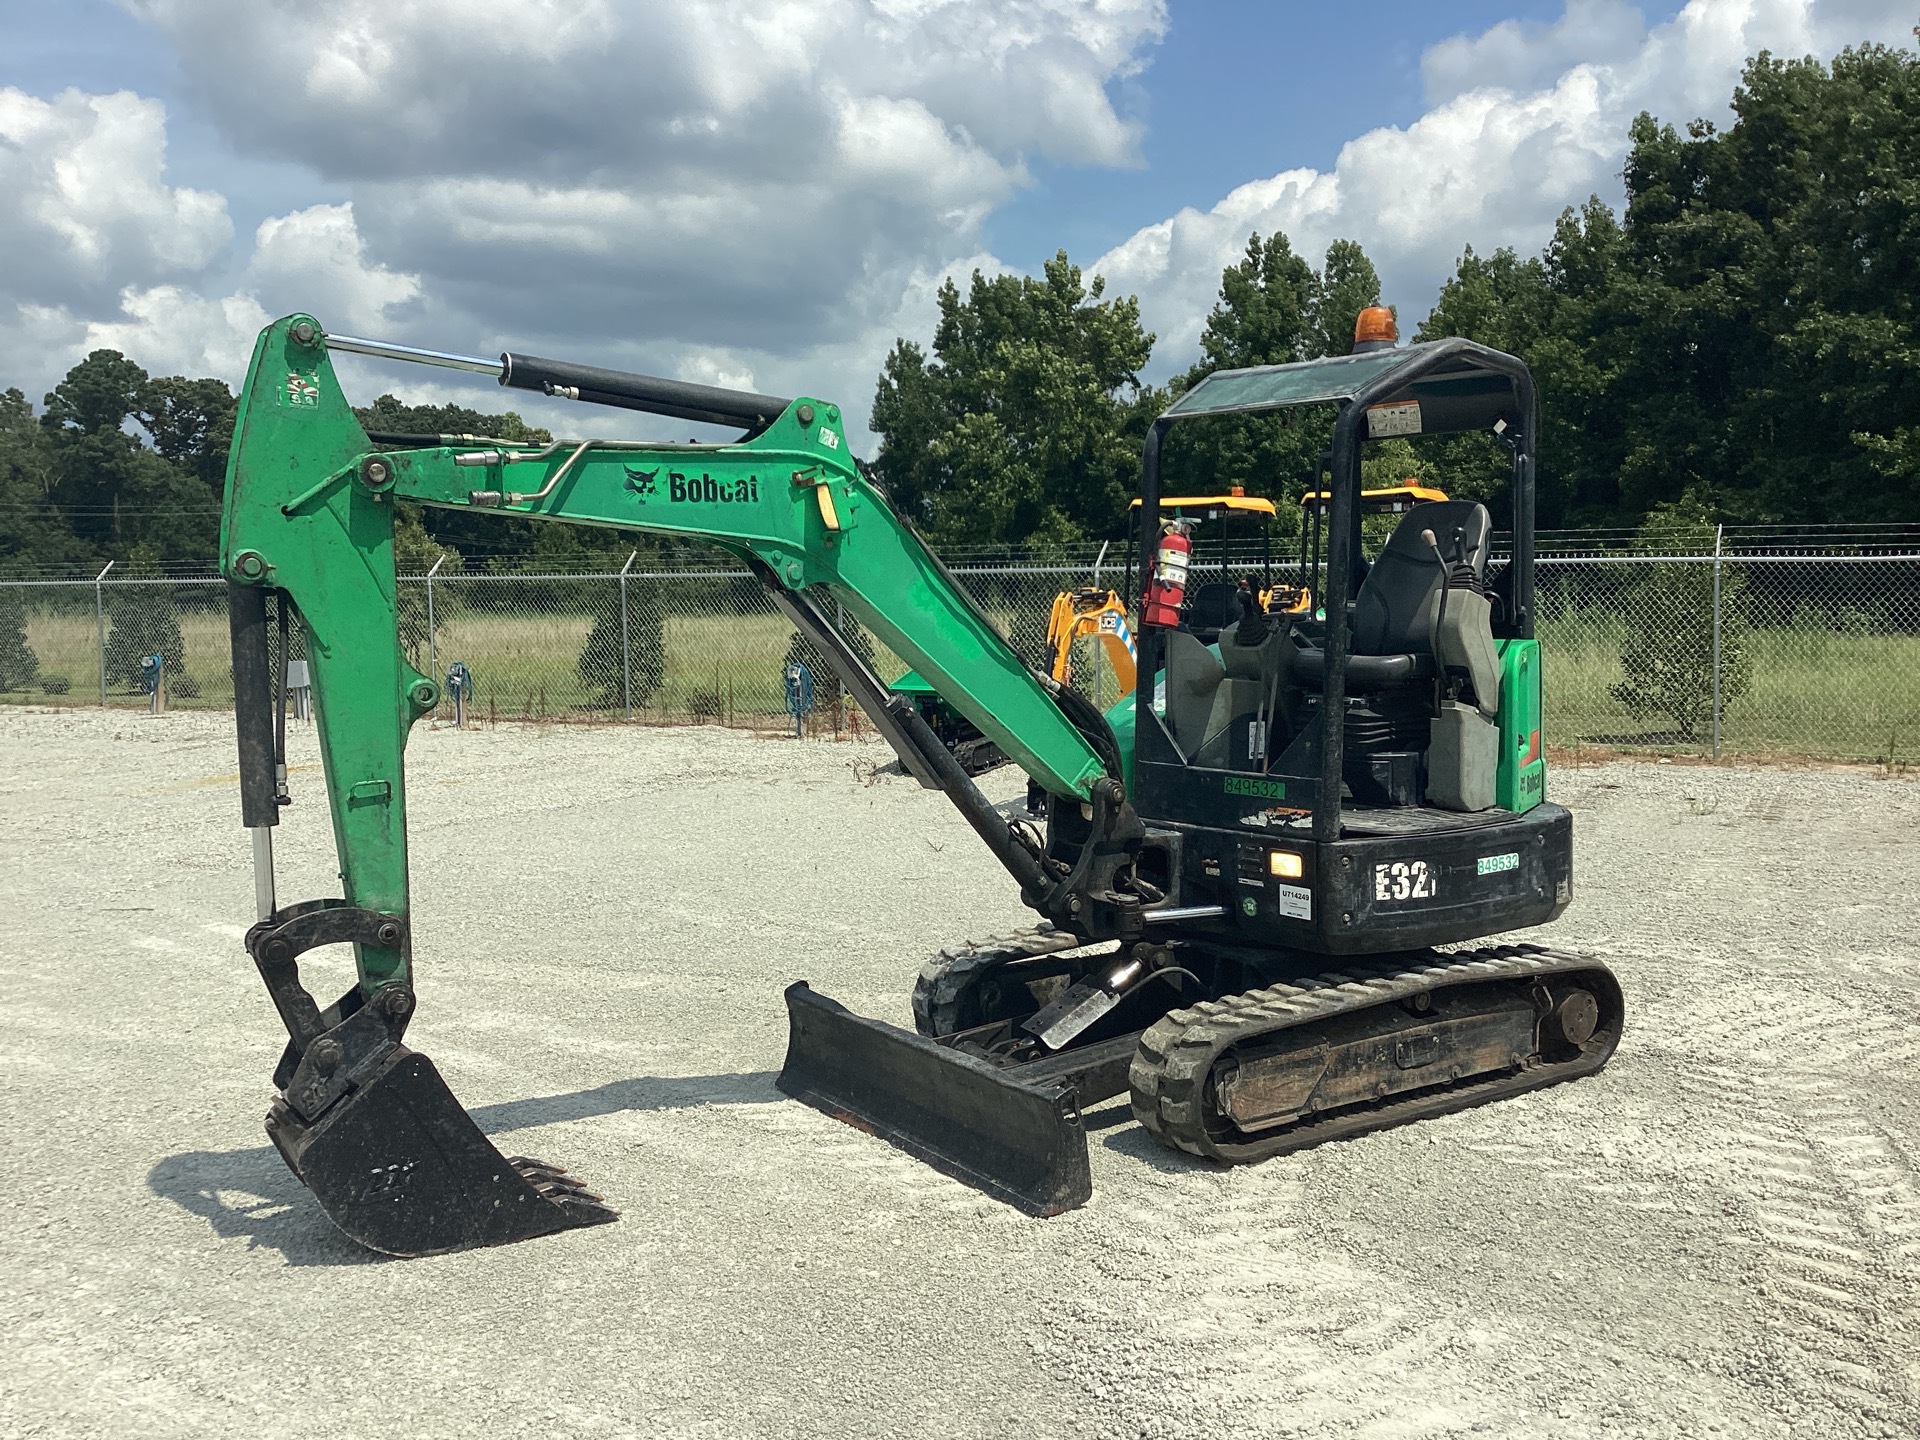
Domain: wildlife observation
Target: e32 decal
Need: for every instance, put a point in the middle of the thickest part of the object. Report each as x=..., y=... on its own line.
x=1405, y=880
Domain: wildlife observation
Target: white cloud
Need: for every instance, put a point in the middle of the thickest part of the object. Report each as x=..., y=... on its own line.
x=310, y=259
x=1530, y=119
x=1523, y=55
x=170, y=330
x=87, y=208
x=704, y=172
x=756, y=192
x=314, y=259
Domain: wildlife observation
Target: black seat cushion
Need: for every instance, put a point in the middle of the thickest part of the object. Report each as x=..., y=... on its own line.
x=1210, y=606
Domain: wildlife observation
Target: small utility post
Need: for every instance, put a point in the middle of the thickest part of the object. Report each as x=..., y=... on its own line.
x=626, y=655
x=433, y=640
x=100, y=629
x=1719, y=534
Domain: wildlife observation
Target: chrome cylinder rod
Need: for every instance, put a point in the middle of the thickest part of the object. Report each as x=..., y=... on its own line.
x=385, y=350
x=264, y=901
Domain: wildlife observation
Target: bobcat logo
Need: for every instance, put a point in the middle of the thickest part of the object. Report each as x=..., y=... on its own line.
x=641, y=482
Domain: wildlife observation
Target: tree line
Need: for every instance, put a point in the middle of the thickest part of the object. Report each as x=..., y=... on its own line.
x=1738, y=341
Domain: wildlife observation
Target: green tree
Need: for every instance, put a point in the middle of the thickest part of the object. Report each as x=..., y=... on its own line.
x=1274, y=309
x=1025, y=425
x=191, y=425
x=19, y=666
x=31, y=530
x=1668, y=656
x=610, y=673
x=1345, y=285
x=113, y=493
x=1746, y=333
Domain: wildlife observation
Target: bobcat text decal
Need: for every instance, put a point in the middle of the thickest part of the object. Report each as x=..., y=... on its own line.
x=699, y=489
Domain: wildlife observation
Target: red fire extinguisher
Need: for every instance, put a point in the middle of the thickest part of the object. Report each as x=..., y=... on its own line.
x=1169, y=586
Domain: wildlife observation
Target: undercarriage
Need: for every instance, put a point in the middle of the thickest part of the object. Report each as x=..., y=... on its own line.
x=1213, y=1066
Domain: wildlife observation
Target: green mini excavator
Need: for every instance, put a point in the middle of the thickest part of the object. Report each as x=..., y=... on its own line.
x=1240, y=873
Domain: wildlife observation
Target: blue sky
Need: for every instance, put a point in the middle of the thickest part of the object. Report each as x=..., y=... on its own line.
x=768, y=192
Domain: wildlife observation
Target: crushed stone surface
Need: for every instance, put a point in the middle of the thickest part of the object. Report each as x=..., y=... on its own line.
x=1719, y=1235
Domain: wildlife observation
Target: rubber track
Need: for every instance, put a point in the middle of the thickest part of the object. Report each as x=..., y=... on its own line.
x=1170, y=1069
x=947, y=976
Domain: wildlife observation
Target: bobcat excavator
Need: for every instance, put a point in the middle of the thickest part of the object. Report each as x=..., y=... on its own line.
x=1240, y=871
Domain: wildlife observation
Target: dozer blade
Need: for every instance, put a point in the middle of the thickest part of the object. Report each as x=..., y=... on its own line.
x=1021, y=1143
x=400, y=1167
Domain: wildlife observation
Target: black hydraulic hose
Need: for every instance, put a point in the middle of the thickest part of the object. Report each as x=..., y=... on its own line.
x=680, y=399
x=253, y=704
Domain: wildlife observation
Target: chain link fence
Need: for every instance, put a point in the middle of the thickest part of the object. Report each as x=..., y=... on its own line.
x=1771, y=646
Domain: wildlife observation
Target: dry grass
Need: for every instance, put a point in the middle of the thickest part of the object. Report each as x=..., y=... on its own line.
x=1814, y=692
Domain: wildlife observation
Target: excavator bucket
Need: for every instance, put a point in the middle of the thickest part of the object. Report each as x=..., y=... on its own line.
x=1022, y=1143
x=402, y=1168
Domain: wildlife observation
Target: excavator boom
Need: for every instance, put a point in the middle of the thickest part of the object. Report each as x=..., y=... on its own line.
x=308, y=526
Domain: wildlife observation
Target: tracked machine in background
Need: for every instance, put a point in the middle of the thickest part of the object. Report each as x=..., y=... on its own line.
x=1239, y=871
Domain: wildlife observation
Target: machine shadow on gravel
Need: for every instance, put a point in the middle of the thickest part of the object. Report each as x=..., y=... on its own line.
x=250, y=1194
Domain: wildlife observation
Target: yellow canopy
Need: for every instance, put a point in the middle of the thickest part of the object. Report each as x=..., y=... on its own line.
x=1253, y=503
x=1394, y=497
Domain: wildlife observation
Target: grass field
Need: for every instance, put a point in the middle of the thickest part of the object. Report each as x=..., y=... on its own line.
x=1839, y=696
x=1814, y=692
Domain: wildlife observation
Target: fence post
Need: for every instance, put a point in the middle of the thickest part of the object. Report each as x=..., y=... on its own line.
x=626, y=655
x=1719, y=534
x=433, y=639
x=100, y=629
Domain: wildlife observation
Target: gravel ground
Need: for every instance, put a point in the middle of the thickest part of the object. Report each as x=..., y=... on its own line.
x=1718, y=1235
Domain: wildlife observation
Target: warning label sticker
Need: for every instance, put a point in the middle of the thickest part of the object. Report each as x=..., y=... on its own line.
x=1388, y=420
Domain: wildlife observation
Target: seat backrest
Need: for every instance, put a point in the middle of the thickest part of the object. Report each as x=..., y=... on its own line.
x=1387, y=612
x=1210, y=606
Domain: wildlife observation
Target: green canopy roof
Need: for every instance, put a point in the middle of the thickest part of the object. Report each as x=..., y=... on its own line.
x=1466, y=392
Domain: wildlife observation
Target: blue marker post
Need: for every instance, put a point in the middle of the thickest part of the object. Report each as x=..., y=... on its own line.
x=153, y=680
x=799, y=697
x=459, y=690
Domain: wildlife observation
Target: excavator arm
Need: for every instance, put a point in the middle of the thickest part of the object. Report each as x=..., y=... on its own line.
x=307, y=539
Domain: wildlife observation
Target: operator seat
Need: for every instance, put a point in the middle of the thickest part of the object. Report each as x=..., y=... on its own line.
x=1393, y=613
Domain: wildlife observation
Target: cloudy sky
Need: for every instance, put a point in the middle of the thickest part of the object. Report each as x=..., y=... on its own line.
x=766, y=192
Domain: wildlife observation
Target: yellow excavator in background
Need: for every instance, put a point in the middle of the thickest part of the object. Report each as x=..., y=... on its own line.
x=1090, y=612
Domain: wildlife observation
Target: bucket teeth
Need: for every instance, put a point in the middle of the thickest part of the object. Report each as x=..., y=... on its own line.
x=555, y=1184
